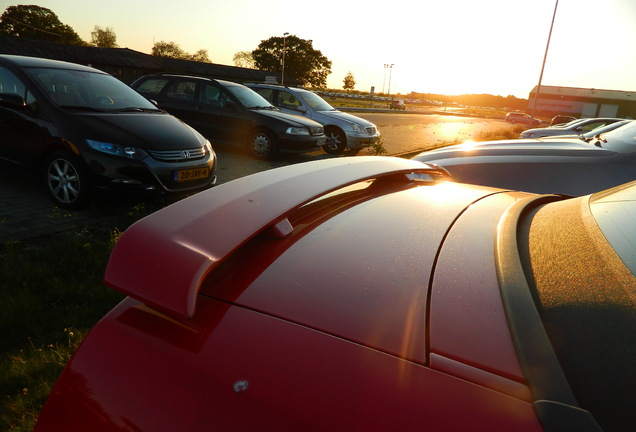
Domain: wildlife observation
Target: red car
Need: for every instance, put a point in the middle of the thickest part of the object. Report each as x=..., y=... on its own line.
x=364, y=293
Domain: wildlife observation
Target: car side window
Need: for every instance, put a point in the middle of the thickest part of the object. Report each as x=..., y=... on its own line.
x=182, y=91
x=152, y=86
x=12, y=86
x=287, y=100
x=592, y=125
x=212, y=96
x=268, y=94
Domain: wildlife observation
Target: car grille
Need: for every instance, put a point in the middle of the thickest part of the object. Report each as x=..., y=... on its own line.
x=178, y=155
x=371, y=130
x=317, y=130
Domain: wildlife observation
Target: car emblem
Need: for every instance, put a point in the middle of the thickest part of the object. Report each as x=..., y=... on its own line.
x=240, y=386
x=185, y=154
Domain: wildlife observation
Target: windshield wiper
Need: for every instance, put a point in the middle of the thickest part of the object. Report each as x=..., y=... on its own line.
x=271, y=107
x=135, y=109
x=82, y=108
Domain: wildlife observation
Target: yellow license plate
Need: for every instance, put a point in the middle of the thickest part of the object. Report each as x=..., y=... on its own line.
x=192, y=174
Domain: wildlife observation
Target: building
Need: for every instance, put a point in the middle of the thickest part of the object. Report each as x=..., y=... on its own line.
x=582, y=102
x=128, y=65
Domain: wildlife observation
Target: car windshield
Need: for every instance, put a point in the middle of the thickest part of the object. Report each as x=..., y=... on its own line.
x=569, y=124
x=88, y=90
x=603, y=129
x=316, y=102
x=248, y=97
x=625, y=134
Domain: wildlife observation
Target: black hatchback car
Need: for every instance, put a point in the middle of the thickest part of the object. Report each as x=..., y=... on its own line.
x=231, y=113
x=82, y=128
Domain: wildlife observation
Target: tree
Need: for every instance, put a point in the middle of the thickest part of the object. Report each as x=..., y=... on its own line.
x=173, y=50
x=200, y=56
x=104, y=38
x=36, y=22
x=167, y=49
x=349, y=82
x=244, y=59
x=308, y=65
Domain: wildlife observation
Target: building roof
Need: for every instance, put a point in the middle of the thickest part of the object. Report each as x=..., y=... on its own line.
x=589, y=93
x=125, y=57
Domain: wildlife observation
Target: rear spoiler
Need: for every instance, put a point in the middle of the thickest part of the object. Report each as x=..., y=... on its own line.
x=162, y=259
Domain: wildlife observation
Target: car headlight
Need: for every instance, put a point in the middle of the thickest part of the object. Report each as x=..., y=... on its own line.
x=297, y=131
x=356, y=128
x=116, y=149
x=208, y=147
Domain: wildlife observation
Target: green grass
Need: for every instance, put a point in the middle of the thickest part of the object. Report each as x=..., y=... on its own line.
x=51, y=294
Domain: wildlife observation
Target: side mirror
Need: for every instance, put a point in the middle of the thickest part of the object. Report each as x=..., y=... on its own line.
x=302, y=109
x=12, y=100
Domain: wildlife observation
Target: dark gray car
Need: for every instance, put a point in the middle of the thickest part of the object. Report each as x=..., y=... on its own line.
x=568, y=166
x=228, y=112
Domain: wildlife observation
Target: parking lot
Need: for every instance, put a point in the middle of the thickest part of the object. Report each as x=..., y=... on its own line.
x=27, y=212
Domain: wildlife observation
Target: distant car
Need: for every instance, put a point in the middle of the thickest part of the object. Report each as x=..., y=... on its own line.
x=578, y=126
x=344, y=131
x=567, y=166
x=230, y=113
x=80, y=129
x=561, y=119
x=372, y=295
x=522, y=118
x=397, y=104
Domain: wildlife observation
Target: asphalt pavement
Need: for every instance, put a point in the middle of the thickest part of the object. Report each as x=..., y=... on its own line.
x=26, y=211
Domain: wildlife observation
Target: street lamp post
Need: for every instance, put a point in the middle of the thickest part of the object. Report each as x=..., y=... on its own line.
x=545, y=56
x=282, y=78
x=384, y=81
x=390, y=73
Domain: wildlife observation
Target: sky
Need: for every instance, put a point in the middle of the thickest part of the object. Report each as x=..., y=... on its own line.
x=447, y=47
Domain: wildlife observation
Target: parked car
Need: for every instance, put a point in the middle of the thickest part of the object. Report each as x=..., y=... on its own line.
x=445, y=307
x=80, y=129
x=397, y=104
x=593, y=134
x=344, y=131
x=522, y=118
x=230, y=113
x=561, y=119
x=567, y=166
x=578, y=126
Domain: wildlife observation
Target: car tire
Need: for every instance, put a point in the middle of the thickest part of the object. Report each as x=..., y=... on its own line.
x=262, y=144
x=67, y=181
x=336, y=141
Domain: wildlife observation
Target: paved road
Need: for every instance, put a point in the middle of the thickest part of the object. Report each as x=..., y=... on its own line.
x=26, y=211
x=407, y=132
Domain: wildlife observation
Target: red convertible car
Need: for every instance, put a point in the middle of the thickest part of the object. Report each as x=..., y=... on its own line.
x=364, y=293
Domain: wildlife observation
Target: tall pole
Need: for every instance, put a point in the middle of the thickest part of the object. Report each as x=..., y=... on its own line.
x=390, y=73
x=545, y=56
x=282, y=78
x=384, y=81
